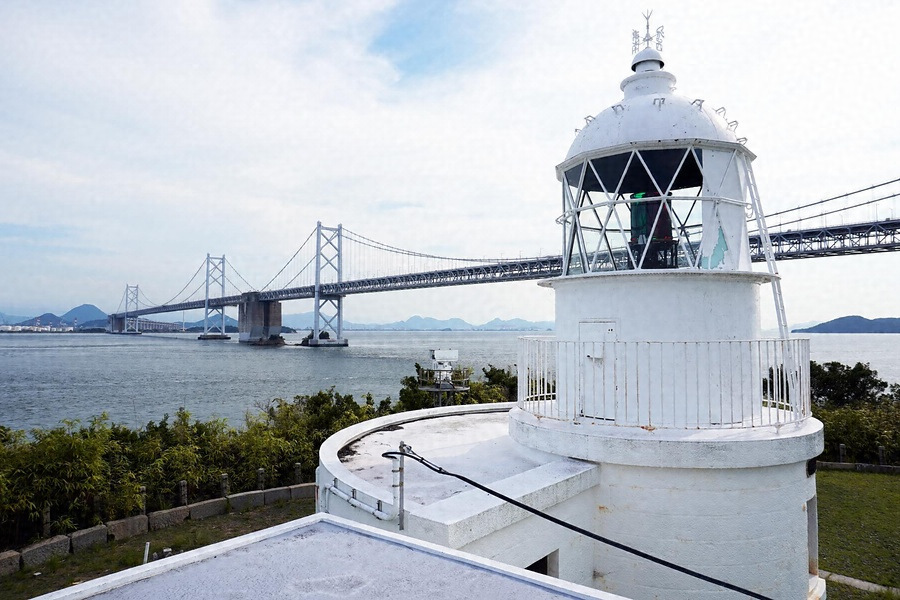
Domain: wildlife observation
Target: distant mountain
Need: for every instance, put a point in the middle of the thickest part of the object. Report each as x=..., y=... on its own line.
x=516, y=325
x=300, y=321
x=304, y=321
x=43, y=320
x=84, y=314
x=11, y=319
x=430, y=324
x=89, y=315
x=855, y=324
x=229, y=322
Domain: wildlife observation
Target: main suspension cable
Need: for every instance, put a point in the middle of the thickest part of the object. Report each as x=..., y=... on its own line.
x=364, y=241
x=149, y=301
x=197, y=272
x=311, y=233
x=831, y=212
x=817, y=202
x=299, y=273
x=249, y=285
x=408, y=453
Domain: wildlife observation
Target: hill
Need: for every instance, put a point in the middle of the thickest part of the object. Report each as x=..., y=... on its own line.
x=84, y=314
x=855, y=324
x=10, y=319
x=419, y=323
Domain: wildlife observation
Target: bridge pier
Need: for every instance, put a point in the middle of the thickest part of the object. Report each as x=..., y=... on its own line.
x=115, y=324
x=259, y=321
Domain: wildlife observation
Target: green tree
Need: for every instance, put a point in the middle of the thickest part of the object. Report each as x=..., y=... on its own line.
x=834, y=384
x=504, y=379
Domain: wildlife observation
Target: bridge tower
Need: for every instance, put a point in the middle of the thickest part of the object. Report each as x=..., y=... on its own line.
x=659, y=371
x=132, y=324
x=328, y=320
x=214, y=317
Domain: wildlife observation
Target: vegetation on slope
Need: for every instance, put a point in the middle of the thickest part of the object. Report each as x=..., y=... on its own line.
x=85, y=474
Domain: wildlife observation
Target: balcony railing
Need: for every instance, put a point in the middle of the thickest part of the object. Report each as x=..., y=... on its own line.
x=684, y=385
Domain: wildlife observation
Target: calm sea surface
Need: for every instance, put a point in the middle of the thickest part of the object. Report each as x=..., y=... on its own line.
x=45, y=378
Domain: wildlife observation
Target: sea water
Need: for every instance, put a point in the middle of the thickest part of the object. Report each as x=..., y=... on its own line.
x=46, y=378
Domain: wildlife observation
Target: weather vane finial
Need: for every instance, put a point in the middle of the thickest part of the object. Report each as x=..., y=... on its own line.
x=637, y=40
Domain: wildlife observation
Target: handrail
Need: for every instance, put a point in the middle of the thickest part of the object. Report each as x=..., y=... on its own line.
x=656, y=384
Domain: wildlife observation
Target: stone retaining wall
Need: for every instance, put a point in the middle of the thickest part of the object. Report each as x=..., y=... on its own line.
x=61, y=545
x=861, y=467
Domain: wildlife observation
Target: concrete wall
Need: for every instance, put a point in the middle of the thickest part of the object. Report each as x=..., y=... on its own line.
x=532, y=538
x=678, y=306
x=744, y=526
x=79, y=541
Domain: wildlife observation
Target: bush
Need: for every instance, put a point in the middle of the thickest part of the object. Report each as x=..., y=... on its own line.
x=862, y=429
x=88, y=474
x=93, y=473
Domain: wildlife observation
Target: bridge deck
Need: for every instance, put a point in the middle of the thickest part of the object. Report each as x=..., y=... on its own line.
x=859, y=238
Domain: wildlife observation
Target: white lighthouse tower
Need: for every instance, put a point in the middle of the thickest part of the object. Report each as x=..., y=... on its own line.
x=659, y=372
x=671, y=444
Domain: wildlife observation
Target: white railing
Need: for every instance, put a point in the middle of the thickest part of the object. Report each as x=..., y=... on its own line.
x=685, y=385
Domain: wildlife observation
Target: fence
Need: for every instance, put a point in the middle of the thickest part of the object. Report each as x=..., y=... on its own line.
x=688, y=385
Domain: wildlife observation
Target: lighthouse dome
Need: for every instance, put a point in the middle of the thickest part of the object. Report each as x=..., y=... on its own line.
x=650, y=112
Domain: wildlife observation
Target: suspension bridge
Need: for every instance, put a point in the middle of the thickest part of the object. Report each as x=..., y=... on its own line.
x=334, y=262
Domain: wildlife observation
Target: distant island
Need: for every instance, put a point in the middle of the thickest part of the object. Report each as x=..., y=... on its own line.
x=855, y=324
x=89, y=317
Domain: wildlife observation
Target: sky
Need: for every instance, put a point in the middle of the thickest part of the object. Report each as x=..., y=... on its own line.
x=136, y=137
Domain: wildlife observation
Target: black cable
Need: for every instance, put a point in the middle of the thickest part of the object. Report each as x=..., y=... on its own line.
x=660, y=561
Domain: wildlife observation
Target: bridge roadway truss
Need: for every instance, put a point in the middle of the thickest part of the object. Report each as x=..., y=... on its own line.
x=862, y=238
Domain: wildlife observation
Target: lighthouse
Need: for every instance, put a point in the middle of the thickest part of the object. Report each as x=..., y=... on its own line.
x=669, y=440
x=659, y=372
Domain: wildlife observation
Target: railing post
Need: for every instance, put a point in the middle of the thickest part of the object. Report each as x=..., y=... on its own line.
x=298, y=473
x=842, y=452
x=225, y=486
x=260, y=479
x=183, y=492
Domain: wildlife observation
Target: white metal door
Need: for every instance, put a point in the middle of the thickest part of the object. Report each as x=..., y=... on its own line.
x=598, y=386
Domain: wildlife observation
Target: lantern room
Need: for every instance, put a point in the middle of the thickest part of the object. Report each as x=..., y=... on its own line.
x=656, y=181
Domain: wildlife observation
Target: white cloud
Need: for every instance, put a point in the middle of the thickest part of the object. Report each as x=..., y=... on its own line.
x=163, y=131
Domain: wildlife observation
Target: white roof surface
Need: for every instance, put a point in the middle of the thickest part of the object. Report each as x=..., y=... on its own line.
x=476, y=445
x=324, y=557
x=651, y=111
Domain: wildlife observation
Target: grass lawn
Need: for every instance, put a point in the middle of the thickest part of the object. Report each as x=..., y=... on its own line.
x=109, y=558
x=859, y=525
x=859, y=536
x=837, y=591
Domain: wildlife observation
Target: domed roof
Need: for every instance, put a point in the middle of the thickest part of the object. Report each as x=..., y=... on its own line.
x=650, y=111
